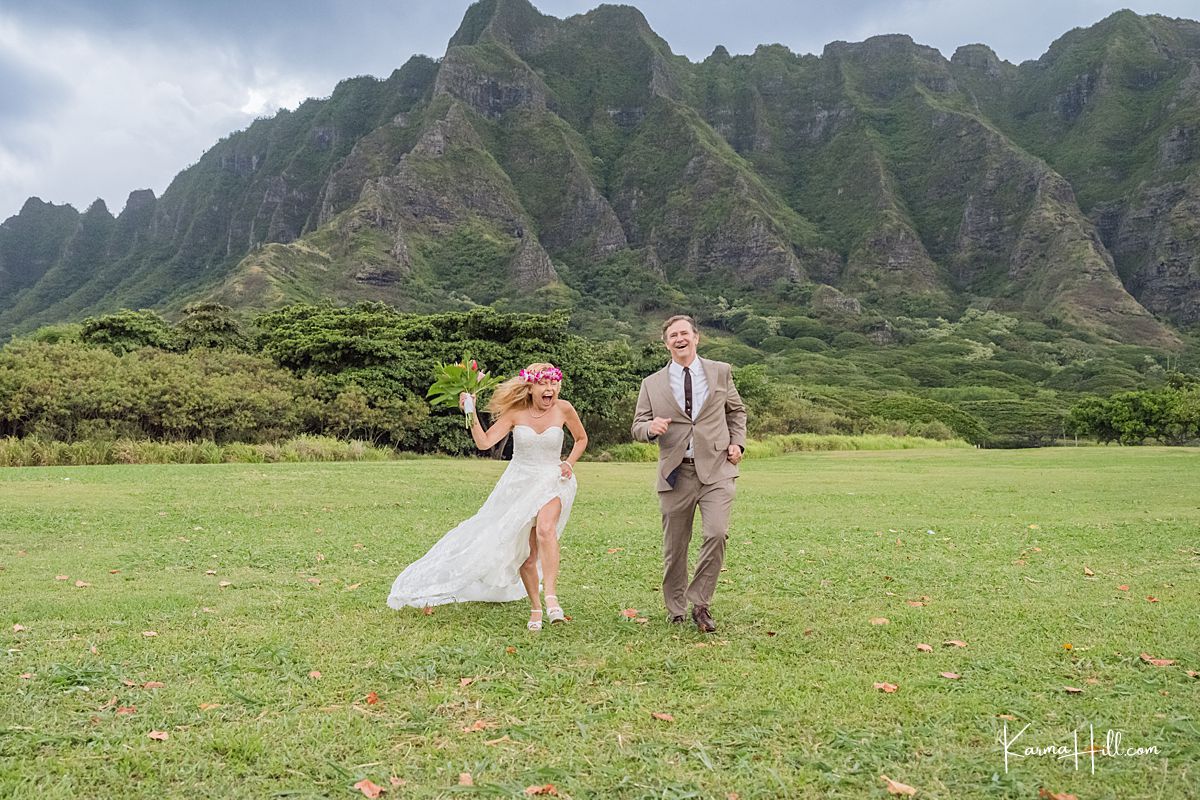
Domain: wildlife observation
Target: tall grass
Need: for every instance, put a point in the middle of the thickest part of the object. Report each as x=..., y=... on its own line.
x=33, y=452
x=771, y=446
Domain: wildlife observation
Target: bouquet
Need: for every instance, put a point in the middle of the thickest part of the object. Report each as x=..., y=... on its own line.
x=451, y=380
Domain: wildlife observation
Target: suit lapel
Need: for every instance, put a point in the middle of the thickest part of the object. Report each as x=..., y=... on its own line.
x=662, y=386
x=716, y=391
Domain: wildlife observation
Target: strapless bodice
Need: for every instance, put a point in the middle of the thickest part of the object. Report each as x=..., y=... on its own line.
x=534, y=449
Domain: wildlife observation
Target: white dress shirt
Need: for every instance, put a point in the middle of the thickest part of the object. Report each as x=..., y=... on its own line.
x=699, y=391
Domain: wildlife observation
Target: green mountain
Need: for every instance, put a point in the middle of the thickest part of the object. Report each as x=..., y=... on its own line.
x=544, y=163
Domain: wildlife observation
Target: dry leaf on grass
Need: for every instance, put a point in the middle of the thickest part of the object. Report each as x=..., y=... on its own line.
x=1088, y=572
x=224, y=584
x=915, y=603
x=954, y=643
x=1046, y=794
x=18, y=627
x=62, y=577
x=394, y=781
x=896, y=787
x=512, y=651
x=1191, y=673
x=886, y=687
x=465, y=779
x=1150, y=599
x=1124, y=587
x=615, y=549
x=479, y=725
x=466, y=681
x=547, y=790
x=1072, y=690
x=662, y=716
x=372, y=698
x=315, y=674
x=149, y=634
x=25, y=676
x=353, y=586
x=209, y=706
x=952, y=676
x=1157, y=662
x=878, y=620
x=210, y=572
x=925, y=648
x=630, y=613
x=369, y=789
x=153, y=685
x=1008, y=717
x=427, y=611
x=125, y=710
x=314, y=581
x=159, y=736
x=82, y=584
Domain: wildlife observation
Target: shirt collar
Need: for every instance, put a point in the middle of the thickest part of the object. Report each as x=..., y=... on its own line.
x=676, y=369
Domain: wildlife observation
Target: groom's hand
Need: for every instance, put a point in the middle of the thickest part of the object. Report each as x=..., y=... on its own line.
x=734, y=454
x=659, y=425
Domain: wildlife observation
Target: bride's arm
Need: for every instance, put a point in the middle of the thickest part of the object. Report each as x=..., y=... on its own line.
x=487, y=439
x=575, y=426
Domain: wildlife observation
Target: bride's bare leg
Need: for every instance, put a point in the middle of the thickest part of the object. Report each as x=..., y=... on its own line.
x=529, y=577
x=547, y=540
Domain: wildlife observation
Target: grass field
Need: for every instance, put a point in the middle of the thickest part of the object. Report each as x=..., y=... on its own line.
x=255, y=578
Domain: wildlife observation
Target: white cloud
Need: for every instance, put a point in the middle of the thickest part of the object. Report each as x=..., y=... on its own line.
x=134, y=113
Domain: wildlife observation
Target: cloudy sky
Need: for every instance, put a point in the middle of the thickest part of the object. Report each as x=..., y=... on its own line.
x=100, y=97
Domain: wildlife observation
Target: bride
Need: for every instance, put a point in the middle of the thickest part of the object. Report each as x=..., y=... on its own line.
x=498, y=554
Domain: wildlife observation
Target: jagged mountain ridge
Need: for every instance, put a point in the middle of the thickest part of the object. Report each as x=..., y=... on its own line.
x=556, y=159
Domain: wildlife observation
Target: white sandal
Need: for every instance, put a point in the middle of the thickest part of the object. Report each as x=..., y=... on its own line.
x=535, y=624
x=554, y=610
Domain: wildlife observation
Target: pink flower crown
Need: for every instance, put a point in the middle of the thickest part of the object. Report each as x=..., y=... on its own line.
x=550, y=374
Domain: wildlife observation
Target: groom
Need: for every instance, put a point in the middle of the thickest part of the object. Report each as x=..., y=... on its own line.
x=694, y=412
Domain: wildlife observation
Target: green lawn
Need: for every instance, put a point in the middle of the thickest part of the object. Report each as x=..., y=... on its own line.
x=779, y=703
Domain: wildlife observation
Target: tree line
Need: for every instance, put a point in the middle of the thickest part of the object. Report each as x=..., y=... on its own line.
x=361, y=372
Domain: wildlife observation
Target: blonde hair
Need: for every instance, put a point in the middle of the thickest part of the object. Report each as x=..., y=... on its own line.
x=514, y=393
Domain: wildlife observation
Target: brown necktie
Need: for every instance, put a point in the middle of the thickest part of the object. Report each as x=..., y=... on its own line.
x=687, y=392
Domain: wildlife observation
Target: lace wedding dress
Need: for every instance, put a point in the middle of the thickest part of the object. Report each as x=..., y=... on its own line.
x=479, y=559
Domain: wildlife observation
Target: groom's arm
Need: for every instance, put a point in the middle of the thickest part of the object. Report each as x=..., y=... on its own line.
x=643, y=415
x=735, y=415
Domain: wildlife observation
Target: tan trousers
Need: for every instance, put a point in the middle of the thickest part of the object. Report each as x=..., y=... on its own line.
x=715, y=500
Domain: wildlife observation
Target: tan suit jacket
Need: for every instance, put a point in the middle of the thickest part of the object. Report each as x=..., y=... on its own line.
x=720, y=423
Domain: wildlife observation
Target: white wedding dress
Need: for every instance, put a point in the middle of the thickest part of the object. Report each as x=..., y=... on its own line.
x=480, y=559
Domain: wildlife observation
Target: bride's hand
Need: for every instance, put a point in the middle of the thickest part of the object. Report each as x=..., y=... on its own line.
x=466, y=402
x=565, y=467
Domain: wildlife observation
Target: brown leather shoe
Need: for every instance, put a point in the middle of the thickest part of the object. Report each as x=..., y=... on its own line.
x=703, y=621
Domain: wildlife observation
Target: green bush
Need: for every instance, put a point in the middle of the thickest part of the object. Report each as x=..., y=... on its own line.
x=910, y=409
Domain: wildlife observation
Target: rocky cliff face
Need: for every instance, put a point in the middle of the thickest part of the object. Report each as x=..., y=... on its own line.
x=539, y=153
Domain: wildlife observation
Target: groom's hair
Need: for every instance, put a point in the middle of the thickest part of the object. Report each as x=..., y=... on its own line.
x=678, y=318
